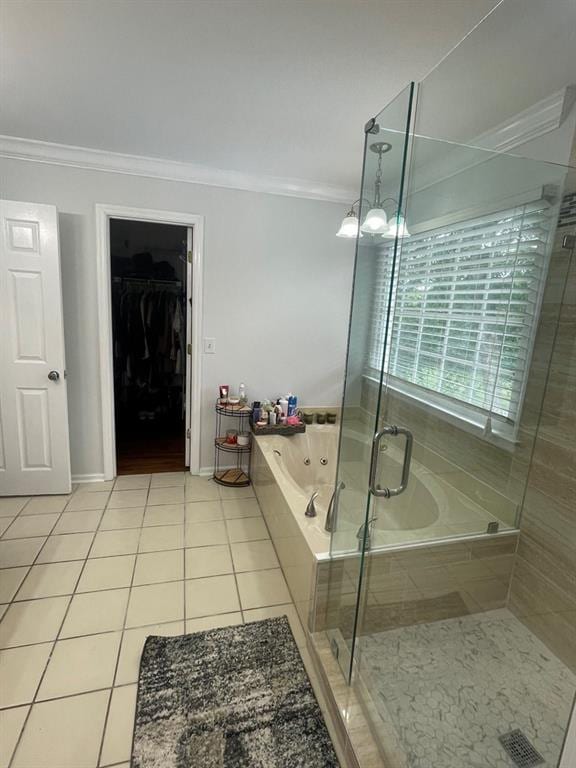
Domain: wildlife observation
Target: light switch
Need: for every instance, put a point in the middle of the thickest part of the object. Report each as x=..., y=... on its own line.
x=209, y=346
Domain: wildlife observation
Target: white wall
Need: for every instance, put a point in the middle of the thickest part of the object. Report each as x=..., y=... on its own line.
x=276, y=289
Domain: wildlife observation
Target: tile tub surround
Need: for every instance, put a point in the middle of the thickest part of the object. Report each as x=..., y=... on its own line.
x=299, y=541
x=303, y=547
x=74, y=621
x=415, y=584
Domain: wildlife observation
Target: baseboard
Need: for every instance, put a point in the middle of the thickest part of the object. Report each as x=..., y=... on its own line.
x=91, y=478
x=99, y=477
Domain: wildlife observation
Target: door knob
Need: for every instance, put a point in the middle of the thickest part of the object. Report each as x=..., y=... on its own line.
x=53, y=375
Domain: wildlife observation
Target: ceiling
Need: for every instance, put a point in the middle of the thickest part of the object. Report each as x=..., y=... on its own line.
x=267, y=87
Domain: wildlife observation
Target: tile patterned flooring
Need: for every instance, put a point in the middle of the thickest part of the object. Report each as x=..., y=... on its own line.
x=449, y=689
x=85, y=578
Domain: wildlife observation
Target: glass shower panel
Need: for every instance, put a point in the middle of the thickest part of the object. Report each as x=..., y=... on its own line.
x=473, y=308
x=456, y=619
x=466, y=302
x=386, y=144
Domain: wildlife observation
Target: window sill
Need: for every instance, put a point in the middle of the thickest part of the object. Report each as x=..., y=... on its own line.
x=462, y=417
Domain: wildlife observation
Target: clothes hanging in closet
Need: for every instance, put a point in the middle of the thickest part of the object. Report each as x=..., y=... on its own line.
x=149, y=338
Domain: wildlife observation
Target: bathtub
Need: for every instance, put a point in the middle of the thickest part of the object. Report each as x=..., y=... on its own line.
x=286, y=472
x=306, y=463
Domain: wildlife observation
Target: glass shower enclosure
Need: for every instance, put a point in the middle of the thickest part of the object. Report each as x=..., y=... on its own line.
x=457, y=296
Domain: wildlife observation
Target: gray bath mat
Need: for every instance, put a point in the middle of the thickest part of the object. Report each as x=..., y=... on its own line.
x=237, y=697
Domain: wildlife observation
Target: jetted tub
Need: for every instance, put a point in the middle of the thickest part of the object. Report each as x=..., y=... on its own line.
x=306, y=463
x=286, y=472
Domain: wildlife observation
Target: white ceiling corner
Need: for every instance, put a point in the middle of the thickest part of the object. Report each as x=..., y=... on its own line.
x=255, y=94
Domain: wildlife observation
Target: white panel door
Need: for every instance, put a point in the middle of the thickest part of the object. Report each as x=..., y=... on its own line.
x=34, y=447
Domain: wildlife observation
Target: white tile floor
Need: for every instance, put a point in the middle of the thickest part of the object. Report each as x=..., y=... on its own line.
x=86, y=578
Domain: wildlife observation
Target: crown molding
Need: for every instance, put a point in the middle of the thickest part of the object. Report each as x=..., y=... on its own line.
x=31, y=150
x=544, y=116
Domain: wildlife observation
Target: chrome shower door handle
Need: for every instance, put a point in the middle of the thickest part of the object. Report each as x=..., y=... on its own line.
x=375, y=489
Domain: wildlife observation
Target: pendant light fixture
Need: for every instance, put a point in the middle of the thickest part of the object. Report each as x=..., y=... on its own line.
x=397, y=227
x=349, y=226
x=376, y=221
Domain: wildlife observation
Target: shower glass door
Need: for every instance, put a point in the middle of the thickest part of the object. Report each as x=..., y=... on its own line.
x=384, y=165
x=449, y=597
x=456, y=300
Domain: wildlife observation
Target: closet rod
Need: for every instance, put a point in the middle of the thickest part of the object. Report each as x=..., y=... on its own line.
x=146, y=281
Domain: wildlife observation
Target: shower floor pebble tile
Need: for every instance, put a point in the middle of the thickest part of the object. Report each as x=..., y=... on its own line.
x=450, y=688
x=95, y=573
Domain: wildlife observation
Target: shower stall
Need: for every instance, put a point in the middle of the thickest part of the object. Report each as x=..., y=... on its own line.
x=450, y=604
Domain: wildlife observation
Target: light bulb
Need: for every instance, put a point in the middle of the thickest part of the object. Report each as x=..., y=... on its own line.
x=397, y=228
x=376, y=222
x=349, y=227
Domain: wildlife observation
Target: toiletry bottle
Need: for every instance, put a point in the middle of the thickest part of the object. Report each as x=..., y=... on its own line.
x=283, y=403
x=292, y=403
x=242, y=393
x=256, y=411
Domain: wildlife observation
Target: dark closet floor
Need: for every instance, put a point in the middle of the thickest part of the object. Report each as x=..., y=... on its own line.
x=149, y=447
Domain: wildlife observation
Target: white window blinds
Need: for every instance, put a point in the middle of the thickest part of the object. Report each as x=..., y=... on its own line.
x=465, y=305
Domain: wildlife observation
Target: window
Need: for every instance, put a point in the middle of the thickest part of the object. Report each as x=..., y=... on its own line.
x=465, y=307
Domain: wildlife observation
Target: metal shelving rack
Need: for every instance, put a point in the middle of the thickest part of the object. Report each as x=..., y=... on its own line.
x=226, y=454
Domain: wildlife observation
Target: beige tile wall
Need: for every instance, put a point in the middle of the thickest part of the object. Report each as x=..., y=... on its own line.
x=543, y=588
x=415, y=585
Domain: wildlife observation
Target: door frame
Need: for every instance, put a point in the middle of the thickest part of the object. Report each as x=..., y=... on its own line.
x=194, y=293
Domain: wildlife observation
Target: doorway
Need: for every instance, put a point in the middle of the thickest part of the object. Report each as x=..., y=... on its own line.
x=148, y=272
x=194, y=225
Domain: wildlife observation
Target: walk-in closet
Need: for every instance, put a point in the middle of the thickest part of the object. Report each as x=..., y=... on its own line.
x=149, y=322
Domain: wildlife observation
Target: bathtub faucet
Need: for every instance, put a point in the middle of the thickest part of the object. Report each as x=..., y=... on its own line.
x=311, y=507
x=360, y=535
x=330, y=524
